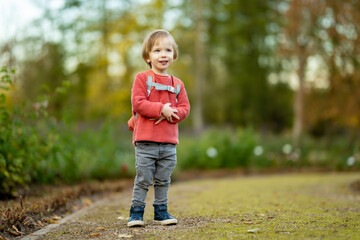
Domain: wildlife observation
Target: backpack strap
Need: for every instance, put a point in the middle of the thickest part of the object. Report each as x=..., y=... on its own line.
x=150, y=83
x=177, y=91
x=159, y=86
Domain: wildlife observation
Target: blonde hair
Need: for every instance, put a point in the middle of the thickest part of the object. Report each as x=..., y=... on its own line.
x=150, y=41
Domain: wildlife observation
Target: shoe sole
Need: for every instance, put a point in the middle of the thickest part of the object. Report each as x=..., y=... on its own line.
x=135, y=224
x=167, y=222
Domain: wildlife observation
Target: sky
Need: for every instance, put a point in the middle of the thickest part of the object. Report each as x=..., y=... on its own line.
x=16, y=14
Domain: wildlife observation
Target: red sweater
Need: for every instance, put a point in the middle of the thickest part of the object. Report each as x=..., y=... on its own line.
x=150, y=107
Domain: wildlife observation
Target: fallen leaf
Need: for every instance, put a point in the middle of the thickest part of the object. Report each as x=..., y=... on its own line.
x=94, y=235
x=40, y=223
x=87, y=202
x=15, y=228
x=2, y=238
x=101, y=228
x=121, y=218
x=50, y=221
x=75, y=208
x=14, y=233
x=256, y=230
x=56, y=218
x=28, y=221
x=125, y=236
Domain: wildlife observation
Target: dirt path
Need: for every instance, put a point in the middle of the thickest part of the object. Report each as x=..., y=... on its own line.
x=289, y=206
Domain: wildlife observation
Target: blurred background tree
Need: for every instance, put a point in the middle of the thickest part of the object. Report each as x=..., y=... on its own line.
x=100, y=44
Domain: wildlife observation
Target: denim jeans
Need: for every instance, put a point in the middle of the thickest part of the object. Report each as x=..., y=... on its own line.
x=154, y=164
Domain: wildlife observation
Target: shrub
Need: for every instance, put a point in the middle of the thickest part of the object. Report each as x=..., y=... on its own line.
x=36, y=148
x=245, y=148
x=217, y=149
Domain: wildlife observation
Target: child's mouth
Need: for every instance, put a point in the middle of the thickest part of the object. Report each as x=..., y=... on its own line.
x=163, y=62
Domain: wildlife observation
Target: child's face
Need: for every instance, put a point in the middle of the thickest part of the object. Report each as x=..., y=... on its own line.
x=161, y=55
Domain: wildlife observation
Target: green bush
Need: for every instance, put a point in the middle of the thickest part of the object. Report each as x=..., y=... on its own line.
x=36, y=148
x=245, y=148
x=218, y=149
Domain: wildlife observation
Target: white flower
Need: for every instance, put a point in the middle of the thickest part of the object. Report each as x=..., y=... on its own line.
x=350, y=161
x=258, y=150
x=211, y=152
x=287, y=148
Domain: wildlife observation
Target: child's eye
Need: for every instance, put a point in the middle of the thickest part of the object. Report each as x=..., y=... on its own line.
x=169, y=50
x=157, y=50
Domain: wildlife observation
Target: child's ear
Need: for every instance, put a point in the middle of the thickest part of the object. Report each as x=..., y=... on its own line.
x=148, y=60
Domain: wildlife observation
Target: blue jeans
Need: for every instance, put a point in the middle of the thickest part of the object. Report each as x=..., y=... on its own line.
x=154, y=164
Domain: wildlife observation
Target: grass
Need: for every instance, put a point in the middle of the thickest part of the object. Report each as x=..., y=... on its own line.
x=310, y=206
x=286, y=206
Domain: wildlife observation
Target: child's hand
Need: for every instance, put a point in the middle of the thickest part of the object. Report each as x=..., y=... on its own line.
x=158, y=119
x=169, y=112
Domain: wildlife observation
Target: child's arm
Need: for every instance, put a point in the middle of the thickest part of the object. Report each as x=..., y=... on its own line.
x=178, y=113
x=183, y=106
x=166, y=113
x=139, y=99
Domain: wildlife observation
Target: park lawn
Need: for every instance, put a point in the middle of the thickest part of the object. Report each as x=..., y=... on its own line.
x=290, y=206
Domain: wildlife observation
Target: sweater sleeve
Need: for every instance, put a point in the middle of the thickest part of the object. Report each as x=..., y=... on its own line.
x=183, y=105
x=139, y=99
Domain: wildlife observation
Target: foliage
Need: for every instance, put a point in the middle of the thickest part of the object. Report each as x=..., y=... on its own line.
x=12, y=141
x=36, y=148
x=237, y=36
x=335, y=108
x=247, y=149
x=217, y=149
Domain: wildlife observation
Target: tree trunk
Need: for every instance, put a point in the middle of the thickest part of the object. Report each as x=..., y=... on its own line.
x=200, y=69
x=298, y=126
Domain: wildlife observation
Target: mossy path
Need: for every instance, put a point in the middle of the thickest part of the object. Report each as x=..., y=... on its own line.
x=288, y=206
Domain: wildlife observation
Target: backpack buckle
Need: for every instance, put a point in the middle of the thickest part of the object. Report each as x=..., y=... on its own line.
x=170, y=89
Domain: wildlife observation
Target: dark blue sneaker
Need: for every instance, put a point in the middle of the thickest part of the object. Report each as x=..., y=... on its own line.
x=162, y=216
x=136, y=217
